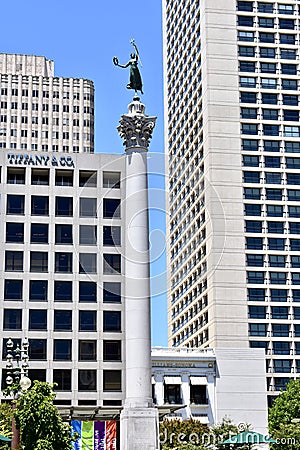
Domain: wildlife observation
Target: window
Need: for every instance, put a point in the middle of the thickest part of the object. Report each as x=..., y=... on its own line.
x=291, y=100
x=270, y=114
x=292, y=147
x=255, y=260
x=62, y=349
x=87, y=320
x=257, y=329
x=12, y=319
x=248, y=52
x=295, y=278
x=112, y=380
x=111, y=180
x=246, y=66
x=252, y=209
x=249, y=113
x=296, y=313
x=280, y=383
x=294, y=227
x=270, y=99
x=249, y=128
x=249, y=144
x=37, y=319
x=288, y=54
x=87, y=235
x=13, y=261
x=88, y=207
x=291, y=115
x=278, y=295
x=295, y=261
x=111, y=292
x=267, y=52
x=294, y=211
x=256, y=295
x=62, y=291
x=62, y=378
x=111, y=236
x=291, y=131
x=253, y=226
x=87, y=263
x=39, y=205
x=63, y=262
x=277, y=260
x=111, y=263
x=37, y=349
x=280, y=330
x=249, y=82
x=275, y=227
x=297, y=348
x=62, y=320
x=259, y=344
x=270, y=130
x=265, y=22
x=281, y=348
x=293, y=178
x=295, y=244
x=282, y=365
x=286, y=24
x=112, y=321
x=252, y=193
x=15, y=232
x=40, y=177
x=111, y=208
x=38, y=290
x=265, y=7
x=251, y=177
x=289, y=69
x=248, y=97
x=285, y=9
x=15, y=204
x=289, y=84
x=87, y=291
x=87, y=178
x=15, y=175
x=246, y=36
x=245, y=21
x=64, y=206
x=297, y=330
x=87, y=350
x=87, y=379
x=13, y=289
x=38, y=261
x=274, y=211
x=63, y=234
x=111, y=350
x=257, y=312
x=267, y=37
x=272, y=161
x=274, y=194
x=39, y=233
x=289, y=39
x=267, y=67
x=254, y=243
x=278, y=277
x=273, y=177
x=63, y=178
x=245, y=6
x=255, y=277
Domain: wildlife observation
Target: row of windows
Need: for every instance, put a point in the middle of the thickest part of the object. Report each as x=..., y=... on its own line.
x=265, y=7
x=45, y=107
x=14, y=91
x=63, y=262
x=267, y=37
x=274, y=295
x=258, y=243
x=259, y=277
x=62, y=321
x=39, y=234
x=277, y=347
x=41, y=177
x=277, y=329
x=252, y=209
x=45, y=147
x=271, y=162
x=62, y=291
x=267, y=67
x=269, y=114
x=271, y=177
x=270, y=146
x=63, y=206
x=267, y=52
x=253, y=226
x=87, y=379
x=270, y=130
x=276, y=312
x=266, y=22
x=35, y=120
x=63, y=349
x=271, y=194
x=268, y=99
x=269, y=83
x=257, y=260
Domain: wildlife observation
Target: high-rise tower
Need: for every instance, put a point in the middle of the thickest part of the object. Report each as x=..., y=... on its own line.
x=232, y=131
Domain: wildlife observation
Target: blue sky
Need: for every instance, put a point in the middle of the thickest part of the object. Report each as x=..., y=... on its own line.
x=82, y=38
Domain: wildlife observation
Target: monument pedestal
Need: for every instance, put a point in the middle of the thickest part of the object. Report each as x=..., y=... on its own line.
x=139, y=429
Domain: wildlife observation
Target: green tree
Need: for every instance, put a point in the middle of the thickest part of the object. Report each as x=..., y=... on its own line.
x=225, y=430
x=285, y=408
x=41, y=426
x=182, y=434
x=5, y=419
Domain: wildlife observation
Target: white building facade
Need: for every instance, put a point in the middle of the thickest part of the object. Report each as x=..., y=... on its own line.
x=232, y=132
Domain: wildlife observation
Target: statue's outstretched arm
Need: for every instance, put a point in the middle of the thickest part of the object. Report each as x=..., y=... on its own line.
x=116, y=63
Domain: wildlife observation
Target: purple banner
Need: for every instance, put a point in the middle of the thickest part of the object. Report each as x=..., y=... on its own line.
x=99, y=435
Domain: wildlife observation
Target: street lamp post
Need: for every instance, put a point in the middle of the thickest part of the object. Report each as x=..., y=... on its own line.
x=17, y=373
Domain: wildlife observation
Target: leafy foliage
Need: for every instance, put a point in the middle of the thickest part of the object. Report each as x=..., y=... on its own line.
x=5, y=419
x=41, y=426
x=286, y=408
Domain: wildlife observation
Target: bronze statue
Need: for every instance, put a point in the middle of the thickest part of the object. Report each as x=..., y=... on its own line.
x=135, y=79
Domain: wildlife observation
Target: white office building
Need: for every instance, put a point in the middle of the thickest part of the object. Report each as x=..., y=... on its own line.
x=232, y=133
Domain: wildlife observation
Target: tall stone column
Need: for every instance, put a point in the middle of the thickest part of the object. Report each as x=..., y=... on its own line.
x=139, y=418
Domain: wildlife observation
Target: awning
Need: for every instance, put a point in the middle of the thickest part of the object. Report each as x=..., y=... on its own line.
x=202, y=419
x=172, y=380
x=198, y=381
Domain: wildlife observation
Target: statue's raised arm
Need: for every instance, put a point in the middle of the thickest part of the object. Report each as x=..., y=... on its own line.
x=135, y=79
